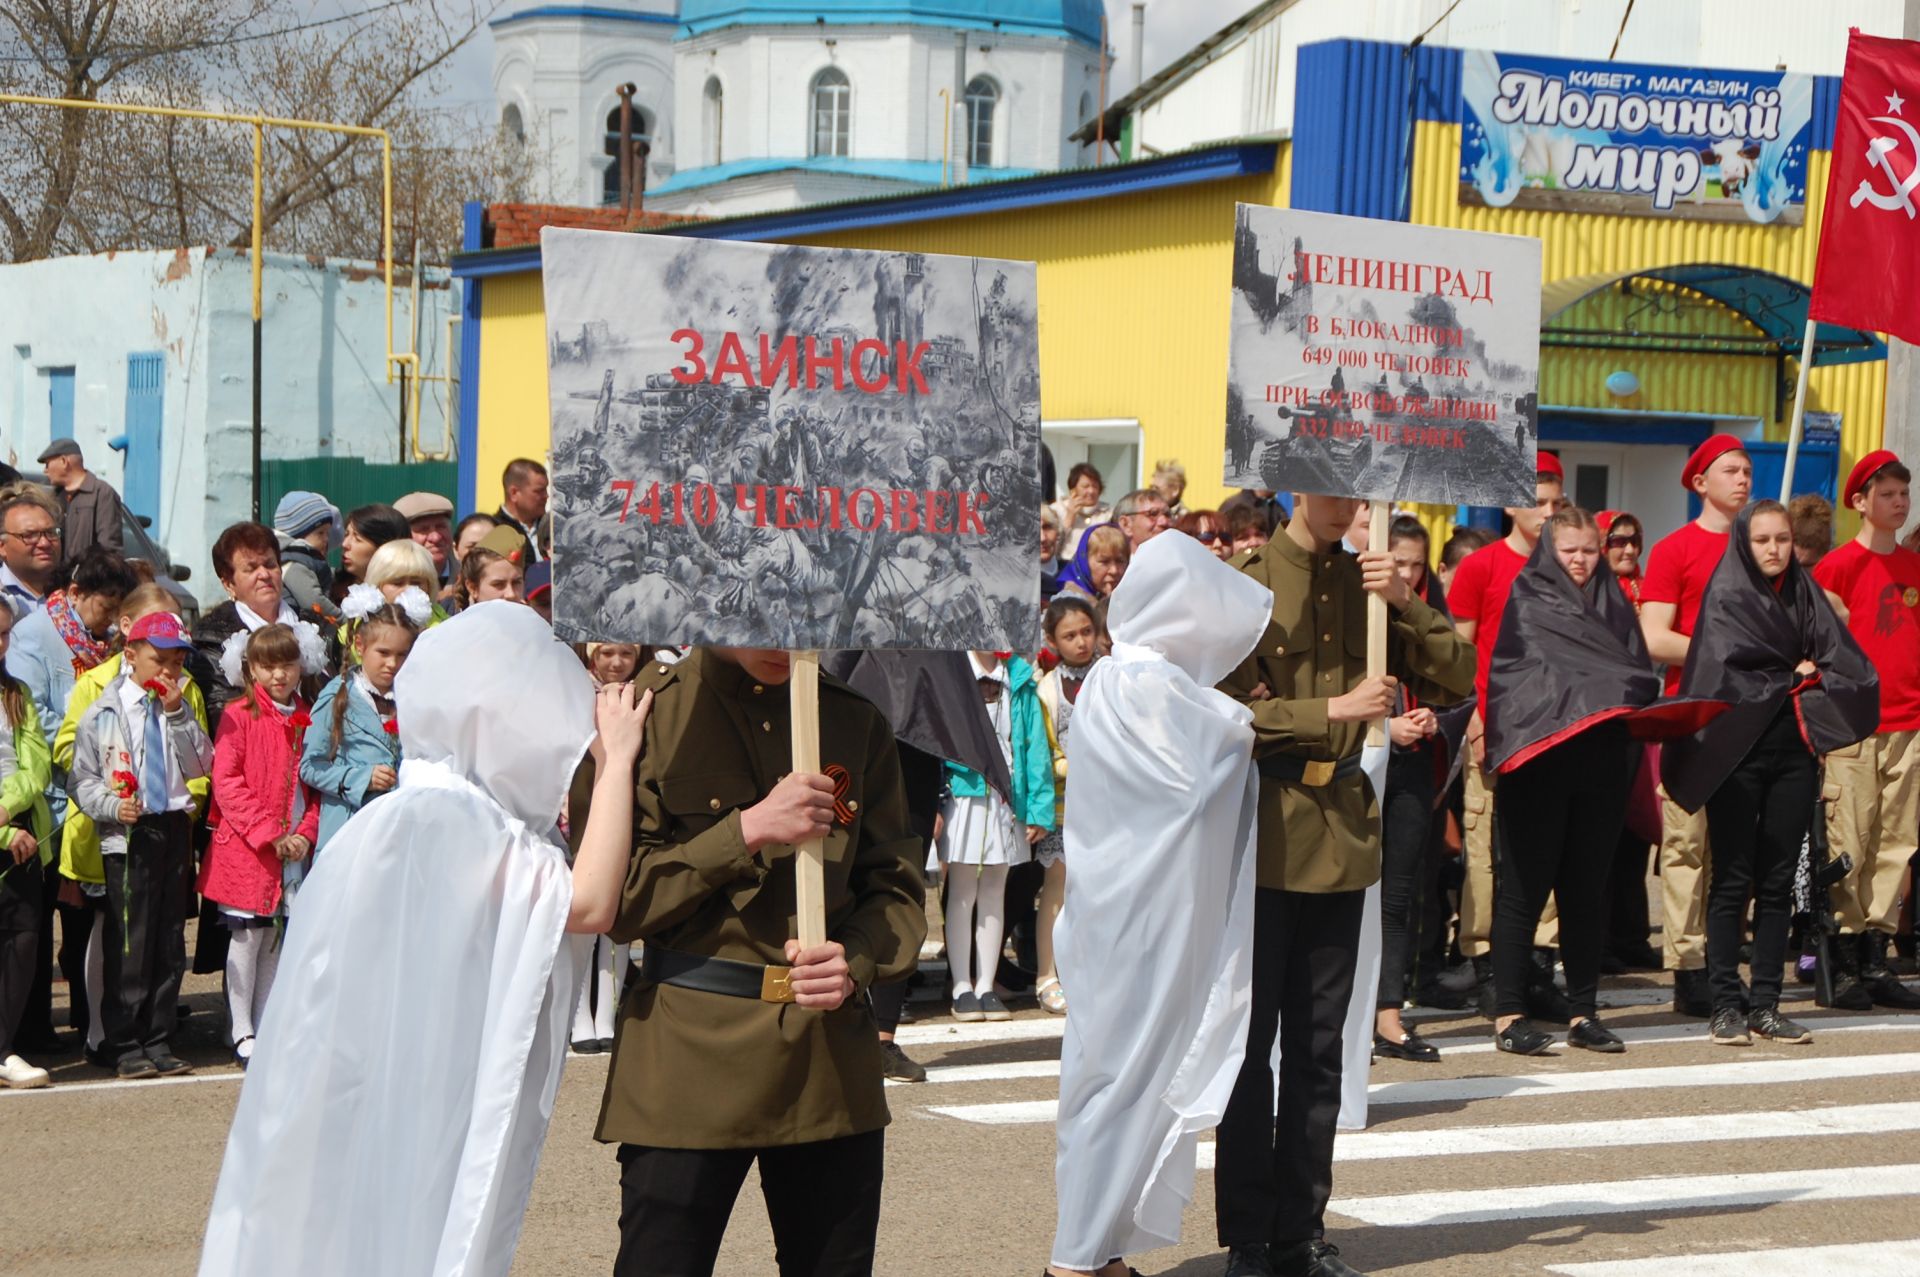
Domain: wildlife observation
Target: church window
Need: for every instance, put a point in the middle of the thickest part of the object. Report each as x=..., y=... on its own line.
x=983, y=97
x=642, y=146
x=832, y=113
x=712, y=117
x=512, y=128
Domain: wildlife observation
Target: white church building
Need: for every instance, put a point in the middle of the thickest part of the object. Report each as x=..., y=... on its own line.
x=743, y=106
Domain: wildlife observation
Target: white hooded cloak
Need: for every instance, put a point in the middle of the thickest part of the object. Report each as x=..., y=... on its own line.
x=399, y=1093
x=1155, y=943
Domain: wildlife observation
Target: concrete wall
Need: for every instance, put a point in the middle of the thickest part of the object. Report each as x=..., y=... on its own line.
x=323, y=363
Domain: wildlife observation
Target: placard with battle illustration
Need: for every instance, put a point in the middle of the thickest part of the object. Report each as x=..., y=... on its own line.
x=767, y=446
x=1380, y=360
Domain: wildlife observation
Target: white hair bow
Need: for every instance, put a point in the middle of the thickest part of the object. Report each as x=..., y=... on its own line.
x=313, y=652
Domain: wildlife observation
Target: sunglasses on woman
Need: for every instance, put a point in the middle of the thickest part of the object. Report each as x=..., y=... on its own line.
x=1614, y=542
x=1210, y=538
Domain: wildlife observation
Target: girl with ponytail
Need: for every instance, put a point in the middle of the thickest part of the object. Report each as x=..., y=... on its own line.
x=355, y=757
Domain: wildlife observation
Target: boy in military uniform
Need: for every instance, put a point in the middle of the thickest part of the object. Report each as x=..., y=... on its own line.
x=734, y=1044
x=1319, y=850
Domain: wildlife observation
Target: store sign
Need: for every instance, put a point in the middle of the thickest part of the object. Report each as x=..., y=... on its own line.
x=767, y=446
x=1382, y=360
x=1610, y=137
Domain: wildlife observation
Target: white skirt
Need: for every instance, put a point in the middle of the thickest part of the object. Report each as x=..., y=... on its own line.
x=982, y=831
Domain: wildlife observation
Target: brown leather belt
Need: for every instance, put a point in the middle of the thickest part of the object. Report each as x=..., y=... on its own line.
x=715, y=975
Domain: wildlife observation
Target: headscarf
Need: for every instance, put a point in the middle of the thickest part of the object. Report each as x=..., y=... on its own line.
x=1750, y=635
x=1078, y=573
x=1629, y=585
x=1569, y=657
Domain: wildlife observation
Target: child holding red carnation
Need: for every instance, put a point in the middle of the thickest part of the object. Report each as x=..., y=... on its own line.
x=353, y=754
x=133, y=753
x=268, y=819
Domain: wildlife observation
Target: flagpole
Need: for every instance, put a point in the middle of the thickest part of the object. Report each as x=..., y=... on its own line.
x=1799, y=412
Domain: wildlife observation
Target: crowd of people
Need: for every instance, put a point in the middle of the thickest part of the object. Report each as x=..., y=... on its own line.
x=149, y=768
x=1565, y=707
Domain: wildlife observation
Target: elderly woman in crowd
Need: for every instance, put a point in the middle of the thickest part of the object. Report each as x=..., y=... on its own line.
x=246, y=560
x=1170, y=481
x=1625, y=540
x=1080, y=509
x=1097, y=566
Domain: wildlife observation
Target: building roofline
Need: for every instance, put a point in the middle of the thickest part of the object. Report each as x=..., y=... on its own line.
x=1213, y=162
x=582, y=11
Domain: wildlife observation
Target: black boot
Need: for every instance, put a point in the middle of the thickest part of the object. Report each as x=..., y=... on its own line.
x=1483, y=985
x=1881, y=984
x=1544, y=999
x=1691, y=995
x=1849, y=993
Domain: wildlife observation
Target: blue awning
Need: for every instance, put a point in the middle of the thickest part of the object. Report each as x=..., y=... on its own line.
x=1774, y=305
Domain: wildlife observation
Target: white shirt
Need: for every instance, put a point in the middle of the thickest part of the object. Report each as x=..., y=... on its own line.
x=134, y=704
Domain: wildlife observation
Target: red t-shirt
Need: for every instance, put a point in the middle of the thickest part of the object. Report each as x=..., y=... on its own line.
x=1882, y=594
x=1479, y=593
x=1677, y=573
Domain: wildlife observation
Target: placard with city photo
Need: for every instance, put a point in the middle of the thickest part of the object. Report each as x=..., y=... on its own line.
x=768, y=446
x=1380, y=360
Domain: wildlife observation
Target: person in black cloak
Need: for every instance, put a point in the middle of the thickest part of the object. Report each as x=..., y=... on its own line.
x=1768, y=642
x=1569, y=678
x=934, y=706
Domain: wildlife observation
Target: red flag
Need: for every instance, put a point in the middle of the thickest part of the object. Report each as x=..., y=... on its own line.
x=1868, y=272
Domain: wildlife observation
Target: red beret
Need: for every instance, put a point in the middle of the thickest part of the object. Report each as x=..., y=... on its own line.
x=1706, y=454
x=1547, y=463
x=1870, y=465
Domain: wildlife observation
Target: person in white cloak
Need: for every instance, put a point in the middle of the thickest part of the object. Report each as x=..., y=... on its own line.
x=404, y=1074
x=1156, y=938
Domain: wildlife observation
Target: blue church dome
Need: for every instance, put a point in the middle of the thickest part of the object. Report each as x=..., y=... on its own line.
x=1073, y=19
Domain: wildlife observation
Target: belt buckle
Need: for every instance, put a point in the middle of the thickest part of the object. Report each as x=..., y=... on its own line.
x=1317, y=773
x=776, y=984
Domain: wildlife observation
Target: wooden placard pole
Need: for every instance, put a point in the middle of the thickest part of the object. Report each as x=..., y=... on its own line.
x=1377, y=621
x=803, y=693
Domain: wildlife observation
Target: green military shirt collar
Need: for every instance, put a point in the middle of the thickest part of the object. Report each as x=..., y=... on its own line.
x=730, y=680
x=1286, y=550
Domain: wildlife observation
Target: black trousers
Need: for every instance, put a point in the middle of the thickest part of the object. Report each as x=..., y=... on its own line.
x=1554, y=832
x=823, y=1200
x=146, y=939
x=1756, y=821
x=1274, y=1173
x=1628, y=927
x=36, y=1021
x=20, y=896
x=1406, y=868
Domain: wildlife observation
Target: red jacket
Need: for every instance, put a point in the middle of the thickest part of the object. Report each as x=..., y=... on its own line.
x=256, y=764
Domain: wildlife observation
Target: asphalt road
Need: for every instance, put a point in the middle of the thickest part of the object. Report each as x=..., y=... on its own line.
x=1677, y=1157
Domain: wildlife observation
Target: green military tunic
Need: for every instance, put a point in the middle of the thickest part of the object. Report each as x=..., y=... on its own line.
x=1325, y=838
x=702, y=1070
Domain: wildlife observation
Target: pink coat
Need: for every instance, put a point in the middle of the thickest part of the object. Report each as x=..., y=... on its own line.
x=256, y=764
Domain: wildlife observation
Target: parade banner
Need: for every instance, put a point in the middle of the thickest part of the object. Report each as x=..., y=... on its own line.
x=1382, y=360
x=1614, y=137
x=766, y=446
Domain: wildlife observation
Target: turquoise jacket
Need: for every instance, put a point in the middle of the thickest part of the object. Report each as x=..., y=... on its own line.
x=340, y=781
x=1032, y=755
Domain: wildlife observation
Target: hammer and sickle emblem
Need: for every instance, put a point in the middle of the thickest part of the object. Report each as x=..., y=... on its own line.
x=1903, y=188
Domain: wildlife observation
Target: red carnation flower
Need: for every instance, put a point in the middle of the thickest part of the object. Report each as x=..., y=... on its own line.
x=155, y=686
x=125, y=784
x=393, y=726
x=300, y=718
x=1047, y=659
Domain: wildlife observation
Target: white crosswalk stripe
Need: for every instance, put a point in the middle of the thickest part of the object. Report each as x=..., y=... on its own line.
x=1882, y=1259
x=1612, y=1197
x=1476, y=1141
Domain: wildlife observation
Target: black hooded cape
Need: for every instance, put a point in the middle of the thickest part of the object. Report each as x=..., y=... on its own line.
x=933, y=704
x=1745, y=646
x=1570, y=657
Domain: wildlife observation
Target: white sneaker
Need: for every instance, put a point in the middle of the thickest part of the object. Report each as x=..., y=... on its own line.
x=18, y=1074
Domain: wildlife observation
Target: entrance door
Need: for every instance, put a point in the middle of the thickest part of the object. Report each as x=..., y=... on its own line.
x=146, y=385
x=59, y=403
x=1642, y=479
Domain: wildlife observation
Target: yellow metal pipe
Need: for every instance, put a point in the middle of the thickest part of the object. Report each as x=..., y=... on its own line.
x=260, y=123
x=946, y=133
x=259, y=199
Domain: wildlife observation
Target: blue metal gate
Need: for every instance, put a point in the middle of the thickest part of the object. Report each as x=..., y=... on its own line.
x=146, y=385
x=60, y=403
